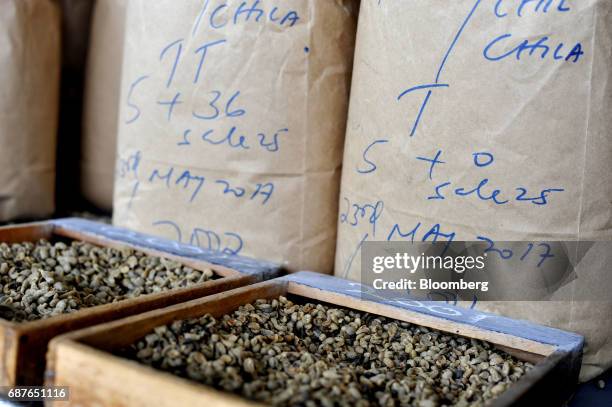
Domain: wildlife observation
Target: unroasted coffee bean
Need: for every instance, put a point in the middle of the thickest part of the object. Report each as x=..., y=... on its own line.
x=285, y=354
x=40, y=280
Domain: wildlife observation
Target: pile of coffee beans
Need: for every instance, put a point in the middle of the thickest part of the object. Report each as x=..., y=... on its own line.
x=287, y=354
x=43, y=279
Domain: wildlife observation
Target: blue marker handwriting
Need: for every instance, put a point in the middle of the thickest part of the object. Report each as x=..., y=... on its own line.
x=371, y=167
x=504, y=8
x=432, y=162
x=173, y=53
x=136, y=112
x=354, y=213
x=229, y=243
x=128, y=167
x=436, y=84
x=505, y=46
x=543, y=250
x=485, y=189
x=191, y=181
x=213, y=110
x=217, y=16
x=542, y=47
x=437, y=233
x=419, y=232
x=216, y=106
x=234, y=138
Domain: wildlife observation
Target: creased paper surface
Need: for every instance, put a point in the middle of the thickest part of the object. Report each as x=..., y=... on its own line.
x=232, y=124
x=29, y=83
x=485, y=120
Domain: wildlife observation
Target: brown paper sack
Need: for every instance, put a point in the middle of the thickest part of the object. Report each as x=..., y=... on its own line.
x=29, y=83
x=76, y=24
x=450, y=104
x=101, y=106
x=232, y=124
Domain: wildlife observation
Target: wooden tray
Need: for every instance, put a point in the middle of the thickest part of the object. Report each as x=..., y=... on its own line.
x=23, y=345
x=83, y=361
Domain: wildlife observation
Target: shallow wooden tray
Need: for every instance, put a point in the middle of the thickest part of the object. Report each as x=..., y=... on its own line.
x=23, y=345
x=84, y=362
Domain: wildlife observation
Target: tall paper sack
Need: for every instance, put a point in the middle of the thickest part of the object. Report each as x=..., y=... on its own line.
x=450, y=104
x=29, y=83
x=101, y=108
x=232, y=124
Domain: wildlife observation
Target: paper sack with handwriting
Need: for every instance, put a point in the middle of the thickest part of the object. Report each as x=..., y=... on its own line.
x=486, y=121
x=102, y=95
x=233, y=116
x=29, y=85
